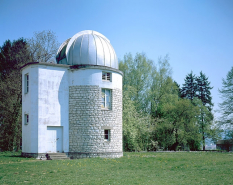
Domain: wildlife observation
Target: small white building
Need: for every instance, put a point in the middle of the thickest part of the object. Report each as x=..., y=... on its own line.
x=74, y=106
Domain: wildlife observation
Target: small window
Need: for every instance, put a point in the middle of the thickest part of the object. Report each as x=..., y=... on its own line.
x=107, y=135
x=106, y=76
x=106, y=99
x=26, y=119
x=26, y=83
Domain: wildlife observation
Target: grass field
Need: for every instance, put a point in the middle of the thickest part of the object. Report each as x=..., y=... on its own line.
x=133, y=168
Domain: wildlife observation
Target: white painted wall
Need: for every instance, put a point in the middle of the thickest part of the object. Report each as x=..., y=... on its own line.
x=94, y=77
x=29, y=106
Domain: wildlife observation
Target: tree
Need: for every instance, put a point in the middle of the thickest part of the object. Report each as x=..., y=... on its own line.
x=137, y=73
x=204, y=120
x=179, y=123
x=204, y=94
x=162, y=88
x=199, y=87
x=227, y=99
x=43, y=46
x=203, y=90
x=189, y=88
x=135, y=125
x=136, y=83
x=12, y=56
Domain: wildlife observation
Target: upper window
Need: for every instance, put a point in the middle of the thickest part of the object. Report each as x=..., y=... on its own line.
x=26, y=119
x=106, y=99
x=106, y=76
x=26, y=83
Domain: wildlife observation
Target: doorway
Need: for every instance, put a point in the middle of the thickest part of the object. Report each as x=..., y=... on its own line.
x=54, y=139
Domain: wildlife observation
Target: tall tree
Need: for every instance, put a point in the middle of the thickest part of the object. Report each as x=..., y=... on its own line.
x=189, y=88
x=203, y=90
x=12, y=56
x=137, y=71
x=204, y=94
x=162, y=88
x=43, y=46
x=204, y=120
x=227, y=99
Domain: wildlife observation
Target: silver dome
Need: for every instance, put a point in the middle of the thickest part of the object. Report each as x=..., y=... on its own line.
x=87, y=48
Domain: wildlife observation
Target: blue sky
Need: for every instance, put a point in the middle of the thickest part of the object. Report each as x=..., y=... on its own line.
x=197, y=34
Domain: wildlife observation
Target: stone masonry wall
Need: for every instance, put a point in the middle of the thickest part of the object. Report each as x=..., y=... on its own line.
x=87, y=122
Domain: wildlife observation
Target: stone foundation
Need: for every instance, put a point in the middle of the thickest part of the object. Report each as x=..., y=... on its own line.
x=79, y=155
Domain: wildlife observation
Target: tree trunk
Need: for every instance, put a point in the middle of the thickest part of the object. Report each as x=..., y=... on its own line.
x=203, y=137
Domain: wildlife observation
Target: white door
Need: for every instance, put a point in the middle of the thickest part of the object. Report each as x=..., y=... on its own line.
x=54, y=139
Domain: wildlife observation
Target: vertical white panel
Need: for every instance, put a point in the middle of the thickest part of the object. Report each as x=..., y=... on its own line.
x=76, y=55
x=84, y=49
x=100, y=52
x=112, y=55
x=106, y=53
x=92, y=50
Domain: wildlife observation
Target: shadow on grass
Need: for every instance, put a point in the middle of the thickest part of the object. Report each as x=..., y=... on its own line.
x=20, y=156
x=8, y=154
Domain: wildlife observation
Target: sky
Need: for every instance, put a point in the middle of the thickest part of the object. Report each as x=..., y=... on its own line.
x=196, y=34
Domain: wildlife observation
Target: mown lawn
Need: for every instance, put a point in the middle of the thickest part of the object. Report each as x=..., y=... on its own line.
x=133, y=168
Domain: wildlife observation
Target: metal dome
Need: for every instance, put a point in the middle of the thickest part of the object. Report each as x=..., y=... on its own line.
x=87, y=48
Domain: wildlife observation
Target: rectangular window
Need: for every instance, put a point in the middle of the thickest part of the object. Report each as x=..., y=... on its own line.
x=26, y=119
x=106, y=99
x=26, y=83
x=107, y=135
x=106, y=76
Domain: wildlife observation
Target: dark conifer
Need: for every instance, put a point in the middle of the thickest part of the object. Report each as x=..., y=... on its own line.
x=203, y=90
x=189, y=88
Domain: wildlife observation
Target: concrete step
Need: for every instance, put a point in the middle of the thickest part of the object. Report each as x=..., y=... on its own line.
x=56, y=156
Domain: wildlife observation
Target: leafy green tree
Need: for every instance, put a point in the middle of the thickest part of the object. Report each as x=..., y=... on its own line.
x=136, y=85
x=179, y=123
x=12, y=56
x=137, y=73
x=227, y=99
x=135, y=125
x=163, y=88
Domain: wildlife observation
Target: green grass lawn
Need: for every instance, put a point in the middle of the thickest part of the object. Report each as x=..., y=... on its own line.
x=133, y=168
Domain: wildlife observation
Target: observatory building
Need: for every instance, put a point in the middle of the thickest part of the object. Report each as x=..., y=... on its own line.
x=74, y=106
